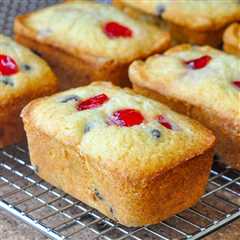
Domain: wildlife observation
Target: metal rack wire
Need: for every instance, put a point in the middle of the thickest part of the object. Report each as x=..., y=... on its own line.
x=59, y=216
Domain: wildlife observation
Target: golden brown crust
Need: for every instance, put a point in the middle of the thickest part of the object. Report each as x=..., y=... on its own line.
x=138, y=14
x=11, y=130
x=76, y=71
x=34, y=79
x=231, y=39
x=179, y=34
x=159, y=41
x=198, y=16
x=185, y=35
x=203, y=21
x=231, y=49
x=137, y=148
x=131, y=203
x=224, y=129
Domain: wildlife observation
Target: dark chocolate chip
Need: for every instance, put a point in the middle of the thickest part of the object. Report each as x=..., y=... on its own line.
x=98, y=194
x=111, y=210
x=26, y=67
x=160, y=9
x=7, y=81
x=87, y=128
x=156, y=133
x=1, y=132
x=37, y=53
x=69, y=98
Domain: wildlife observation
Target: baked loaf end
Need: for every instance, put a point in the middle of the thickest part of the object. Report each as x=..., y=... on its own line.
x=188, y=21
x=141, y=15
x=196, y=15
x=155, y=8
x=121, y=153
x=23, y=77
x=231, y=39
x=97, y=40
x=201, y=82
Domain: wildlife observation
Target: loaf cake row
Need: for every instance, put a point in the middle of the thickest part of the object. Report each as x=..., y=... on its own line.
x=122, y=151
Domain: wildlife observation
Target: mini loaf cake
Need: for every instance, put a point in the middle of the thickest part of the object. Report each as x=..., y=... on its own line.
x=198, y=22
x=23, y=77
x=128, y=156
x=231, y=39
x=142, y=16
x=87, y=41
x=203, y=83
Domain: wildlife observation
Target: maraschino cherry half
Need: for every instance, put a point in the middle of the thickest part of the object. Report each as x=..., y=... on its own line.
x=8, y=66
x=127, y=117
x=93, y=102
x=117, y=30
x=198, y=63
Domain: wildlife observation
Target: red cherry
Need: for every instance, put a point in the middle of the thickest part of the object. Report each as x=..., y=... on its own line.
x=127, y=117
x=115, y=30
x=93, y=102
x=236, y=83
x=164, y=122
x=7, y=66
x=199, y=63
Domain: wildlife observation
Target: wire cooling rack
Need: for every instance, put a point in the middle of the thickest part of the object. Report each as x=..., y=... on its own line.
x=60, y=216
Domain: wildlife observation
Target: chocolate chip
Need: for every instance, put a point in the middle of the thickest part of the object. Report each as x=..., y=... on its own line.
x=69, y=98
x=7, y=81
x=98, y=195
x=26, y=67
x=1, y=132
x=111, y=210
x=156, y=133
x=37, y=53
x=87, y=128
x=160, y=9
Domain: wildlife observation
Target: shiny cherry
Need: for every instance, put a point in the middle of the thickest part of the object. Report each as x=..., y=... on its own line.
x=199, y=63
x=127, y=117
x=7, y=66
x=93, y=102
x=116, y=30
